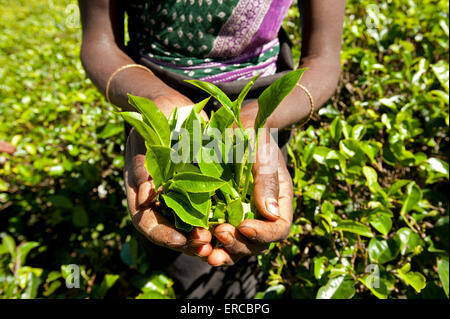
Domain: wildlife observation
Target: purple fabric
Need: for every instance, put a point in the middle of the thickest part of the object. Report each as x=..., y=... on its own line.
x=240, y=27
x=242, y=58
x=233, y=75
x=270, y=26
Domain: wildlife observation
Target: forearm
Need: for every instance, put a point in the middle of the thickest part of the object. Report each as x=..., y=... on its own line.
x=320, y=79
x=102, y=54
x=100, y=60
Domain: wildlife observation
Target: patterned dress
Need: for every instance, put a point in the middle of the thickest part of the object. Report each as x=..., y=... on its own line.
x=212, y=40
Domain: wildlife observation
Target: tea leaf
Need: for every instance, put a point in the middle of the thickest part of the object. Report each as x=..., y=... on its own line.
x=443, y=274
x=157, y=162
x=147, y=133
x=235, y=212
x=272, y=96
x=214, y=91
x=197, y=183
x=181, y=206
x=153, y=117
x=354, y=227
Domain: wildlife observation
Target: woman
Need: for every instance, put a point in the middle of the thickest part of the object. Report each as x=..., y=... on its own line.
x=225, y=42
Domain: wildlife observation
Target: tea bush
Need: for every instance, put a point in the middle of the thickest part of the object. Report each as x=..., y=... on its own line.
x=370, y=171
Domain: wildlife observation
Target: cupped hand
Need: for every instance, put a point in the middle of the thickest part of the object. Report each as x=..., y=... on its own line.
x=141, y=196
x=273, y=195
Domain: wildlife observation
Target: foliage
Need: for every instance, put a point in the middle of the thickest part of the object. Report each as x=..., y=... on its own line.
x=370, y=172
x=207, y=184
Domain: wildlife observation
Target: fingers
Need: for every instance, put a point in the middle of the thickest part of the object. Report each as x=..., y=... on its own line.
x=220, y=257
x=273, y=230
x=162, y=232
x=138, y=176
x=199, y=237
x=141, y=197
x=235, y=246
x=146, y=194
x=265, y=172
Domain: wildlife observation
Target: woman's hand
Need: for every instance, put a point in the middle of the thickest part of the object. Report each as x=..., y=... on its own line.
x=273, y=195
x=141, y=196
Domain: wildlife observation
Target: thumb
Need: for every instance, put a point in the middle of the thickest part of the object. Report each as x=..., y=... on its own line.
x=266, y=184
x=142, y=180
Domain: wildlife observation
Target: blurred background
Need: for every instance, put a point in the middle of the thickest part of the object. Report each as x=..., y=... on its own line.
x=370, y=171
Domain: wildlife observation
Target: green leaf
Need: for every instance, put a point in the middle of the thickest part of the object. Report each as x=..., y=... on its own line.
x=321, y=154
x=319, y=266
x=443, y=274
x=33, y=281
x=436, y=169
x=273, y=292
x=377, y=286
x=314, y=191
x=412, y=278
x=381, y=219
x=354, y=227
x=200, y=201
x=193, y=125
x=220, y=120
x=153, y=117
x=351, y=150
x=158, y=286
x=219, y=211
x=371, y=149
x=10, y=244
x=341, y=287
x=107, y=282
x=408, y=240
x=214, y=91
x=272, y=96
x=200, y=105
x=24, y=250
x=210, y=164
x=372, y=181
x=381, y=250
x=235, y=212
x=329, y=111
x=157, y=162
x=238, y=102
x=336, y=129
x=80, y=217
x=111, y=129
x=197, y=183
x=173, y=119
x=440, y=69
x=184, y=210
x=179, y=224
x=358, y=132
x=147, y=133
x=397, y=186
x=412, y=196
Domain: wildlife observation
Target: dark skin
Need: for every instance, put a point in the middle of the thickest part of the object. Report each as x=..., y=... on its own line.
x=102, y=54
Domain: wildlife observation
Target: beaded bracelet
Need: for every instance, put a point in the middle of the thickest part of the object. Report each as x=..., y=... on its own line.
x=311, y=100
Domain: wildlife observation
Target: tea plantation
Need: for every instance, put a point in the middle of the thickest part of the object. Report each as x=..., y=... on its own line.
x=370, y=171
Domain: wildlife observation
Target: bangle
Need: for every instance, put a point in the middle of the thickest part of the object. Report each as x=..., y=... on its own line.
x=127, y=66
x=311, y=100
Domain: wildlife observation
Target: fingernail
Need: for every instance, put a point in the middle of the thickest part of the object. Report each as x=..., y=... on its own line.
x=225, y=237
x=196, y=242
x=248, y=232
x=272, y=207
x=177, y=240
x=146, y=193
x=203, y=251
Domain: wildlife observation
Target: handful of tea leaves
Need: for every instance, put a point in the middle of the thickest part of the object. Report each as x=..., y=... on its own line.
x=204, y=168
